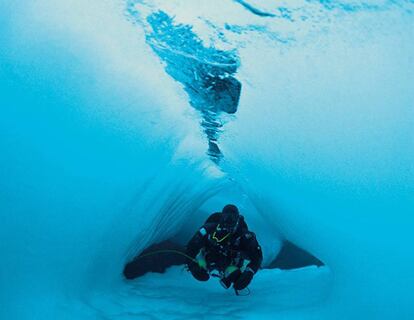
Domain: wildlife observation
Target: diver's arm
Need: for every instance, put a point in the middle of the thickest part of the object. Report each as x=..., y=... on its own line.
x=253, y=251
x=196, y=243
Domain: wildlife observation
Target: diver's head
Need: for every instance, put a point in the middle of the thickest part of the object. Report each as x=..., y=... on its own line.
x=229, y=217
x=228, y=223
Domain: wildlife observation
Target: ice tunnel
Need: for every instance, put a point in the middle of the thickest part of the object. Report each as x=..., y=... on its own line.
x=125, y=123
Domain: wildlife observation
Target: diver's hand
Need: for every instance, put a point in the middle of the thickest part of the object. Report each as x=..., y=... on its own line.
x=199, y=273
x=244, y=280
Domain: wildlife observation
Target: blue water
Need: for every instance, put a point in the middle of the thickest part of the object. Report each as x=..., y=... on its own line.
x=121, y=122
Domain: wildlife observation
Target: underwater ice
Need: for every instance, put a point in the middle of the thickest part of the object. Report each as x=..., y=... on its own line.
x=114, y=136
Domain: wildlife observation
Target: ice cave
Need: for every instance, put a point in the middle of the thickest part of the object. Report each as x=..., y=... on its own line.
x=125, y=123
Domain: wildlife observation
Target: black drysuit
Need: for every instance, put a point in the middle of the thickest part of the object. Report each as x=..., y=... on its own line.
x=240, y=246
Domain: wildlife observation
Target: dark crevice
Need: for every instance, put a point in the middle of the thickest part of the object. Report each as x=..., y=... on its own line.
x=293, y=257
x=152, y=261
x=155, y=259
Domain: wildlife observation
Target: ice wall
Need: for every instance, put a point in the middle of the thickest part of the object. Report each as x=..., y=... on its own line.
x=324, y=144
x=100, y=155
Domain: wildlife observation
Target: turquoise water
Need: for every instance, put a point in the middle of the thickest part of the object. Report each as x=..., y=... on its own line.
x=120, y=119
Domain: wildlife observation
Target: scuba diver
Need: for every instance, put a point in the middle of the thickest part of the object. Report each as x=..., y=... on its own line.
x=225, y=245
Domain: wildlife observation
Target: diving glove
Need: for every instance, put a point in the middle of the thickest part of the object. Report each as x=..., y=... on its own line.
x=244, y=280
x=199, y=273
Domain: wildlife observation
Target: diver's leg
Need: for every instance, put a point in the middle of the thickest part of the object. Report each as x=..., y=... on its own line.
x=231, y=274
